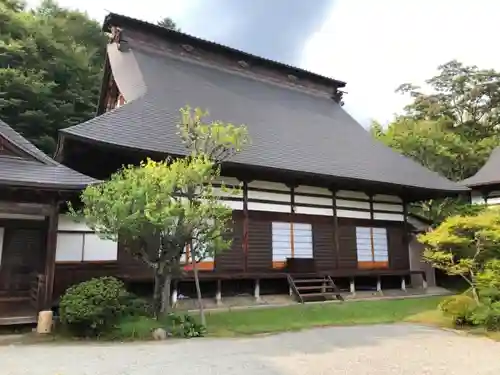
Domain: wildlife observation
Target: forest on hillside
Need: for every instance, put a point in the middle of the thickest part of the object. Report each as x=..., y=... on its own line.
x=51, y=61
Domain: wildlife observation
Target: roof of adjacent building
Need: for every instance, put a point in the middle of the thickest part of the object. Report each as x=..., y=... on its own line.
x=292, y=128
x=34, y=168
x=489, y=174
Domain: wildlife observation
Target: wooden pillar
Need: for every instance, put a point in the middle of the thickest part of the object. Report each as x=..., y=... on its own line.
x=245, y=223
x=336, y=242
x=406, y=235
x=50, y=259
x=372, y=221
x=292, y=211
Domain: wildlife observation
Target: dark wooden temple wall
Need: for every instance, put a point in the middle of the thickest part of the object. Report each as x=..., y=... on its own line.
x=233, y=259
x=324, y=251
x=399, y=256
x=260, y=241
x=348, y=258
x=235, y=262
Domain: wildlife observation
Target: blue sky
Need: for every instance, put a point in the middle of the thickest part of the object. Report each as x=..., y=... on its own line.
x=372, y=45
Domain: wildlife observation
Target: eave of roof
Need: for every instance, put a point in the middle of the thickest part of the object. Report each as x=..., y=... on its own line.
x=489, y=174
x=41, y=171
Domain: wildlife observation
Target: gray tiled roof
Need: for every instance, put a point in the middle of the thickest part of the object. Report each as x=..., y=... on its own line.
x=290, y=129
x=489, y=174
x=38, y=171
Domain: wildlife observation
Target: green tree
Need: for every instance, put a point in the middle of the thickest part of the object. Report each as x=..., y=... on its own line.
x=466, y=96
x=451, y=128
x=168, y=23
x=158, y=208
x=50, y=69
x=464, y=245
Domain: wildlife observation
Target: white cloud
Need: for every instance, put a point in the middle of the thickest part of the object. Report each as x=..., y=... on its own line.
x=372, y=45
x=377, y=45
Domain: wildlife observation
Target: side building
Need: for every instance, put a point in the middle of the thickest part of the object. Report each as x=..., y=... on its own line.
x=32, y=188
x=320, y=196
x=485, y=184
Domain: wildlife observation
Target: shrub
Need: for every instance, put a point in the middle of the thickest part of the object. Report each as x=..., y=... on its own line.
x=460, y=308
x=185, y=326
x=135, y=306
x=142, y=327
x=92, y=307
x=488, y=316
x=134, y=328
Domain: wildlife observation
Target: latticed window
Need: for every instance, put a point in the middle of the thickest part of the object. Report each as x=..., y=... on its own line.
x=291, y=240
x=372, y=247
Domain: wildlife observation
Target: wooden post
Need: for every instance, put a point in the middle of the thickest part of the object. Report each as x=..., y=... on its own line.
x=218, y=293
x=372, y=221
x=406, y=235
x=292, y=210
x=245, y=223
x=336, y=242
x=50, y=259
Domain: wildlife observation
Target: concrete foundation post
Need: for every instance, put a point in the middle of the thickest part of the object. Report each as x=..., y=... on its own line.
x=218, y=293
x=379, y=285
x=352, y=287
x=256, y=290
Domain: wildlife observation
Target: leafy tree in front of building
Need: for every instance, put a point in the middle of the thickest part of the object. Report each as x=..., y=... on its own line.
x=160, y=209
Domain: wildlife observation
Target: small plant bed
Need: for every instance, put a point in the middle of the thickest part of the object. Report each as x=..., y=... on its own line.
x=291, y=318
x=103, y=309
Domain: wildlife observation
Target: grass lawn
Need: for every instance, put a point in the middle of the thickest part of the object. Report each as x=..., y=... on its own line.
x=290, y=318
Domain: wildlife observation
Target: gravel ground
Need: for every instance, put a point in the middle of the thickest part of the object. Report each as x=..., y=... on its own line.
x=382, y=349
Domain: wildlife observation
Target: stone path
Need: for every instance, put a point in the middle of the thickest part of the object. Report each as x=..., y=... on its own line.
x=376, y=350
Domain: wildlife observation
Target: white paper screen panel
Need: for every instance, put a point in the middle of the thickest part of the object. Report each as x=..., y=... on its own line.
x=229, y=192
x=314, y=211
x=313, y=190
x=493, y=201
x=69, y=247
x=351, y=194
x=97, y=249
x=353, y=214
x=281, y=241
x=267, y=196
x=67, y=223
x=364, y=244
x=380, y=246
x=345, y=203
x=235, y=205
x=387, y=198
x=318, y=201
x=389, y=217
x=268, y=185
x=388, y=207
x=257, y=206
x=302, y=240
